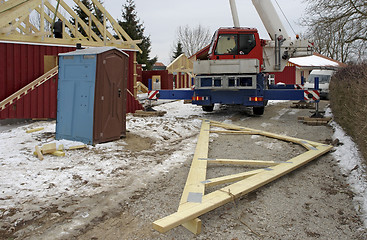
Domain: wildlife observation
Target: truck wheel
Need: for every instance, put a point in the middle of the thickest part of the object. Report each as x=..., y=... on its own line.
x=258, y=110
x=208, y=108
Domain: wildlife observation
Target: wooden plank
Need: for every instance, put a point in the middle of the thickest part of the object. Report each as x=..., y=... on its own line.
x=231, y=132
x=9, y=5
x=197, y=174
x=75, y=16
x=77, y=147
x=34, y=130
x=18, y=11
x=115, y=25
x=38, y=153
x=230, y=178
x=59, y=153
x=220, y=197
x=48, y=148
x=263, y=133
x=97, y=23
x=242, y=162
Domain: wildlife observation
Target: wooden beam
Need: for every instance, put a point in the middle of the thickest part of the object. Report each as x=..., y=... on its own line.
x=48, y=148
x=113, y=22
x=194, y=189
x=99, y=25
x=9, y=5
x=58, y=153
x=38, y=153
x=231, y=132
x=42, y=17
x=17, y=11
x=230, y=178
x=242, y=162
x=34, y=130
x=71, y=41
x=75, y=16
x=263, y=133
x=117, y=27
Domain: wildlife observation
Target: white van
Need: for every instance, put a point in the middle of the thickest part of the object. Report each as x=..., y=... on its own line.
x=324, y=81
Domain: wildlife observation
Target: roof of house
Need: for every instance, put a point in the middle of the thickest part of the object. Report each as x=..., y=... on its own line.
x=159, y=64
x=316, y=60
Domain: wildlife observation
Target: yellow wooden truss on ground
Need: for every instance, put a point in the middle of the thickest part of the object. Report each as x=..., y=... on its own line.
x=194, y=202
x=16, y=24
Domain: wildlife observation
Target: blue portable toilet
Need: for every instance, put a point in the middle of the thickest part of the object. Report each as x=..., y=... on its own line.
x=91, y=95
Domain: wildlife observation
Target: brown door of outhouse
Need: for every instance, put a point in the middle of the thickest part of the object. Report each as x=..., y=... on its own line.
x=110, y=96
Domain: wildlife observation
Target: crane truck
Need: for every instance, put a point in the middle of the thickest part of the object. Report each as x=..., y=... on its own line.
x=238, y=62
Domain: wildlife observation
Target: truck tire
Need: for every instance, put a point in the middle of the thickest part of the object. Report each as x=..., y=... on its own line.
x=208, y=108
x=258, y=110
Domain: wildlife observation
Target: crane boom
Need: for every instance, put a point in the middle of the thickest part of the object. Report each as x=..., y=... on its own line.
x=236, y=22
x=270, y=18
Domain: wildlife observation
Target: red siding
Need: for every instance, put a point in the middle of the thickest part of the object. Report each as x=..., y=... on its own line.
x=23, y=63
x=183, y=80
x=288, y=76
x=166, y=78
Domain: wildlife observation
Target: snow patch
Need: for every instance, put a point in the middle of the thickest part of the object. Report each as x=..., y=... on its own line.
x=351, y=164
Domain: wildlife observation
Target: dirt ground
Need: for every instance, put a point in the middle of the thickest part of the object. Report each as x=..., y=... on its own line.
x=313, y=202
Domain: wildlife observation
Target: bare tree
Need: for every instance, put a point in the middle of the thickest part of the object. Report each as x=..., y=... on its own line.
x=338, y=28
x=193, y=39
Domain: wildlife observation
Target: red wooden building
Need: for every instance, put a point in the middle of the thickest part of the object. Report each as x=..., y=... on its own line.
x=23, y=62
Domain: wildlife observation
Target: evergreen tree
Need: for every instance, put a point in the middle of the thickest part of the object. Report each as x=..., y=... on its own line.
x=178, y=51
x=132, y=26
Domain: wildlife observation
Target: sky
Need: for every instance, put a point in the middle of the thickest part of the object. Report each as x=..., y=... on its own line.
x=162, y=18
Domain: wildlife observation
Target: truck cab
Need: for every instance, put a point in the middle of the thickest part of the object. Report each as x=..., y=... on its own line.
x=236, y=43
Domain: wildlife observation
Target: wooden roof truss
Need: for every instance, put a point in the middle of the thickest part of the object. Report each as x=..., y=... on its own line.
x=16, y=24
x=194, y=200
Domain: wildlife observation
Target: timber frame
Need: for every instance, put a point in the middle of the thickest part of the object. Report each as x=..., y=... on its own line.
x=15, y=24
x=194, y=202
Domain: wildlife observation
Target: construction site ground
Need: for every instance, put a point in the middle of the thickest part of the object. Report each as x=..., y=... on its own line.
x=313, y=202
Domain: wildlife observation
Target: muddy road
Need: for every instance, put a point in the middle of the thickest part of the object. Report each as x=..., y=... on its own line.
x=313, y=202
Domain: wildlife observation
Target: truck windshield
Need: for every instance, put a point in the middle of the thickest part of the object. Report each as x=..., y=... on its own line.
x=235, y=44
x=322, y=78
x=227, y=44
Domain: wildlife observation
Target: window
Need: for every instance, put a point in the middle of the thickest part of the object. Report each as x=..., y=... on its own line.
x=235, y=44
x=247, y=43
x=206, y=82
x=227, y=44
x=244, y=82
x=322, y=78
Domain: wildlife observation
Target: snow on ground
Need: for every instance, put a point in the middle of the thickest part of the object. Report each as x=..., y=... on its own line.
x=28, y=184
x=351, y=164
